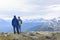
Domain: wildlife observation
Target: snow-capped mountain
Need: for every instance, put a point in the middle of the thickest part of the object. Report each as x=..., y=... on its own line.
x=48, y=25
x=35, y=24
x=5, y=26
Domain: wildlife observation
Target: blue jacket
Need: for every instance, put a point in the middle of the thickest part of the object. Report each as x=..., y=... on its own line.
x=15, y=22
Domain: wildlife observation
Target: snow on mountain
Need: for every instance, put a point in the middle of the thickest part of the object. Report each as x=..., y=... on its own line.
x=29, y=24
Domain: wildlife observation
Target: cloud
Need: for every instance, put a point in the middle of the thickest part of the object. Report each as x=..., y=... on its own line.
x=11, y=4
x=54, y=7
x=19, y=5
x=30, y=8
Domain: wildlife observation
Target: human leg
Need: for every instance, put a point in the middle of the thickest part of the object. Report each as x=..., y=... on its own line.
x=20, y=29
x=14, y=29
x=17, y=30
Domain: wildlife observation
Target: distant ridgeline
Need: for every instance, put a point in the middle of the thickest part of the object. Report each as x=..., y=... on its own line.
x=32, y=25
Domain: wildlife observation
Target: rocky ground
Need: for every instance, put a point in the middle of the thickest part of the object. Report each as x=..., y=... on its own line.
x=39, y=35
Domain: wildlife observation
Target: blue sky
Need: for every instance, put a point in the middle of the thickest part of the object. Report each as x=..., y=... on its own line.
x=29, y=9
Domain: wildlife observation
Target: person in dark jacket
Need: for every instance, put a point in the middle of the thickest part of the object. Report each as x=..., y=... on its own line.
x=15, y=25
x=19, y=24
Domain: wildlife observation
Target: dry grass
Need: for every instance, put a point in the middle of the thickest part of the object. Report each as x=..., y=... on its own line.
x=52, y=36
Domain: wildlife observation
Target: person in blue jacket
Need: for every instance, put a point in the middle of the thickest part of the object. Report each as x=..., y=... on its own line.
x=15, y=25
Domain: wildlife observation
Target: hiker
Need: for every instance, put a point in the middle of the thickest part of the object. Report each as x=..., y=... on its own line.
x=15, y=25
x=19, y=24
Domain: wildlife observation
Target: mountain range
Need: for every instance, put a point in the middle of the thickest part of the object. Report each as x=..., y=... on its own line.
x=32, y=25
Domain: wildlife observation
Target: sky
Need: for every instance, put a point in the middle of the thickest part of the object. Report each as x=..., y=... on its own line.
x=29, y=9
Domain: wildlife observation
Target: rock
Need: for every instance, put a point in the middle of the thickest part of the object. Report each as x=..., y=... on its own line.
x=34, y=37
x=51, y=37
x=4, y=34
x=48, y=37
x=16, y=38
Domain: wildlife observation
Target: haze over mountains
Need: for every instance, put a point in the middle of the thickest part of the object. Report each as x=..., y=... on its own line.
x=33, y=25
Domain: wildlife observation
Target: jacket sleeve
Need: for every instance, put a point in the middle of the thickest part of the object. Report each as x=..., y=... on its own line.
x=21, y=21
x=12, y=22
